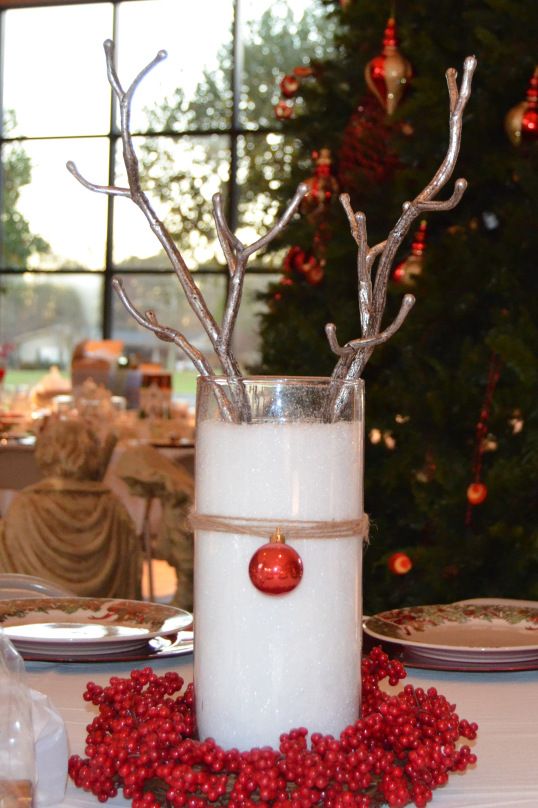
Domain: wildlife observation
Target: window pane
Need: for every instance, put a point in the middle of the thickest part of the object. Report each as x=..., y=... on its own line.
x=246, y=343
x=54, y=206
x=43, y=317
x=54, y=69
x=278, y=35
x=264, y=162
x=191, y=88
x=164, y=295
x=180, y=177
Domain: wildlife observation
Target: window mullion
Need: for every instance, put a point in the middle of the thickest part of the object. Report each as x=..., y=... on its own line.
x=236, y=80
x=112, y=137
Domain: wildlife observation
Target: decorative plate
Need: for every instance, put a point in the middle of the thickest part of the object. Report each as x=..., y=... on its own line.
x=474, y=634
x=83, y=626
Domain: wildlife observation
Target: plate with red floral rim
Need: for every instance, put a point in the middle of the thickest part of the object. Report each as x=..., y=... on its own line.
x=482, y=634
x=78, y=627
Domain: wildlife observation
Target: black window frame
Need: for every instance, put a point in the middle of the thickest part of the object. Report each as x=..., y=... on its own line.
x=234, y=132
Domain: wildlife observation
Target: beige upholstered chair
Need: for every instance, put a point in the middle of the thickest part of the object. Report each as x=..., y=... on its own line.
x=69, y=527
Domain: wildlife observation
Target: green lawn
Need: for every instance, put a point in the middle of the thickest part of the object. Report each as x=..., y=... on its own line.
x=183, y=382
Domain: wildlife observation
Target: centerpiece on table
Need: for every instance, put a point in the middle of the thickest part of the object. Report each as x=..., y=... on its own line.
x=279, y=514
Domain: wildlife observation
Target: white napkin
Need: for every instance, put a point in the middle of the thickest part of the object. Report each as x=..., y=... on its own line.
x=50, y=749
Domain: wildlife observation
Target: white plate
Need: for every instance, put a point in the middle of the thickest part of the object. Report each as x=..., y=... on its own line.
x=482, y=634
x=84, y=626
x=157, y=648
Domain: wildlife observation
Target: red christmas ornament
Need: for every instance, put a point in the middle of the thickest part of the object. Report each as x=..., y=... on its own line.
x=322, y=187
x=388, y=74
x=408, y=269
x=302, y=71
x=275, y=568
x=529, y=123
x=294, y=259
x=315, y=274
x=299, y=261
x=289, y=85
x=476, y=493
x=521, y=122
x=366, y=156
x=400, y=564
x=283, y=110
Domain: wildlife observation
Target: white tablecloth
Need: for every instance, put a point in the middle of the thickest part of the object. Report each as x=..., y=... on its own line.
x=505, y=705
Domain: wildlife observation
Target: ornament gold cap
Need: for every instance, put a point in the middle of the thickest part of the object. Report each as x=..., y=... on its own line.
x=278, y=537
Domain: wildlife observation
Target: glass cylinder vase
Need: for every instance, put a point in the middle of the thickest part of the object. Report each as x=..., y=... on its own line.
x=283, y=451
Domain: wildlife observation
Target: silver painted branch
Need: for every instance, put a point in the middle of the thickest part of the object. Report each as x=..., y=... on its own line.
x=150, y=321
x=351, y=347
x=236, y=254
x=239, y=256
x=372, y=295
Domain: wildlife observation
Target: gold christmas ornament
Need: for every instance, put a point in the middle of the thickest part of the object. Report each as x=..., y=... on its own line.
x=388, y=74
x=512, y=122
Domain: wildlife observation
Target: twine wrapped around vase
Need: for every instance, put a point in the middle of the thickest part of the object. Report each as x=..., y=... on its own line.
x=291, y=528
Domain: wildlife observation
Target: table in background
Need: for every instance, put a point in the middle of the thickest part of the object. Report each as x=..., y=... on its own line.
x=505, y=705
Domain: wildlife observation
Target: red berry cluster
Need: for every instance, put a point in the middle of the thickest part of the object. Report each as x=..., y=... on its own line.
x=402, y=748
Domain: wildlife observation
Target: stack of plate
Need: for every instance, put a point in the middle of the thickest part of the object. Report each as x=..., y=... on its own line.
x=485, y=634
x=71, y=628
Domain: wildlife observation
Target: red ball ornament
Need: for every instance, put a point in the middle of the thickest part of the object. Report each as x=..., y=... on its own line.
x=294, y=259
x=388, y=74
x=289, y=85
x=275, y=568
x=283, y=110
x=315, y=274
x=476, y=493
x=400, y=564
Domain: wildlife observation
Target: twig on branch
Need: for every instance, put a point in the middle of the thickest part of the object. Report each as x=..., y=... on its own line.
x=354, y=355
x=236, y=254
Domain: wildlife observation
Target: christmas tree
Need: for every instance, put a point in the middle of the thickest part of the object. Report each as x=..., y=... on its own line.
x=452, y=398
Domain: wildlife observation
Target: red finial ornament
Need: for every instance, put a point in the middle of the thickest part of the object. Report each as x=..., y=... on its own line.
x=529, y=123
x=521, y=122
x=408, y=269
x=322, y=186
x=388, y=74
x=275, y=568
